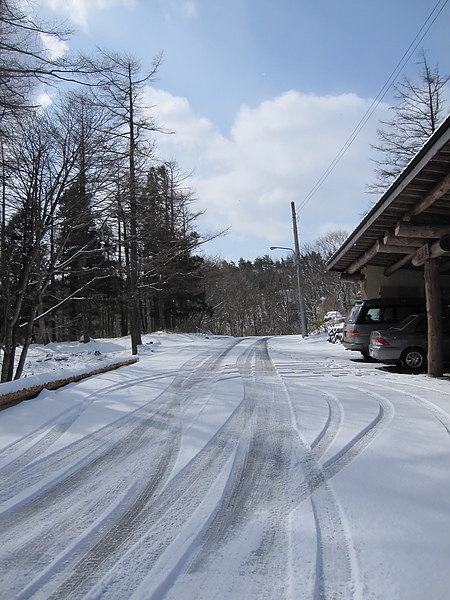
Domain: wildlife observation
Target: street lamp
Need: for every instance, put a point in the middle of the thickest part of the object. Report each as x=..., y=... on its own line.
x=301, y=302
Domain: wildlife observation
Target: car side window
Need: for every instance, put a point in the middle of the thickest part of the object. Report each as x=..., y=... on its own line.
x=421, y=326
x=373, y=315
x=389, y=315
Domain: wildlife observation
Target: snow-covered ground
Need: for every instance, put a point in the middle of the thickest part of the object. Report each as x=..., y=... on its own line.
x=222, y=468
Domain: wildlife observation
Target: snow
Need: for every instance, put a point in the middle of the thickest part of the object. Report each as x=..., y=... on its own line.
x=219, y=467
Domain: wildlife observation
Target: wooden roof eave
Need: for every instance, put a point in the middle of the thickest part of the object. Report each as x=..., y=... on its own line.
x=432, y=147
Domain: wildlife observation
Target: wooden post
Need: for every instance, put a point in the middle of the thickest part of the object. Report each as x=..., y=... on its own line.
x=301, y=299
x=434, y=318
x=363, y=289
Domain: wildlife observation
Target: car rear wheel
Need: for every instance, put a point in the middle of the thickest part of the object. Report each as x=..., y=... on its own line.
x=414, y=359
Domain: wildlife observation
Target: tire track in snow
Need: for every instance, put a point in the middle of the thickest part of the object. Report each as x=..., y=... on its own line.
x=334, y=577
x=17, y=477
x=81, y=569
x=441, y=415
x=165, y=516
x=23, y=451
x=336, y=564
x=319, y=473
x=49, y=432
x=255, y=505
x=116, y=559
x=69, y=507
x=246, y=493
x=329, y=553
x=258, y=486
x=143, y=428
x=152, y=529
x=336, y=572
x=51, y=468
x=360, y=442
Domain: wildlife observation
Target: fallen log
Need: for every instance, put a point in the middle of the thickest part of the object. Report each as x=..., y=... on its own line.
x=12, y=398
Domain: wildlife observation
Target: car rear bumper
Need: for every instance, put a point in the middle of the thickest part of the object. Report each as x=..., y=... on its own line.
x=354, y=346
x=384, y=354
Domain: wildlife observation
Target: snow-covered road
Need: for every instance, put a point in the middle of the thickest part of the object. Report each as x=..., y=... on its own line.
x=222, y=468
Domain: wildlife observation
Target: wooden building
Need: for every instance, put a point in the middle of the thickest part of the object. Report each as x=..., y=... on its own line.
x=402, y=246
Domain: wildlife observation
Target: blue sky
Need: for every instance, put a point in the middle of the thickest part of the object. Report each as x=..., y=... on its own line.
x=263, y=95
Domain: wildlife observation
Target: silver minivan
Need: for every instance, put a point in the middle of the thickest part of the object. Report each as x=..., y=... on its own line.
x=377, y=313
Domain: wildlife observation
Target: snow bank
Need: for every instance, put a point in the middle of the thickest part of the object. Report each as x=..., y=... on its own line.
x=14, y=392
x=54, y=365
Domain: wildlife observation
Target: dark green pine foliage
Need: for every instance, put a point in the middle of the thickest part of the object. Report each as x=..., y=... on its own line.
x=171, y=273
x=17, y=247
x=83, y=281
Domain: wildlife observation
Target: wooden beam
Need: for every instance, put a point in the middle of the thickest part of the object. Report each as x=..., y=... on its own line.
x=421, y=231
x=399, y=264
x=437, y=192
x=362, y=260
x=377, y=248
x=393, y=249
x=441, y=247
x=356, y=278
x=393, y=240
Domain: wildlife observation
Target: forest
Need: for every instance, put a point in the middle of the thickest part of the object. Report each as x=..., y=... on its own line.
x=98, y=236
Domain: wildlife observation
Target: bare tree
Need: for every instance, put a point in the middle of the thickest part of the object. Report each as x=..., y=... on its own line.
x=24, y=60
x=51, y=176
x=120, y=89
x=84, y=206
x=330, y=243
x=41, y=162
x=420, y=110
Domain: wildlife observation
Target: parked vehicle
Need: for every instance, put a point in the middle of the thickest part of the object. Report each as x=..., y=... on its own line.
x=407, y=343
x=377, y=313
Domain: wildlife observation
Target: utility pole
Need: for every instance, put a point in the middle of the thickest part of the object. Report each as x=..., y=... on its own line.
x=301, y=300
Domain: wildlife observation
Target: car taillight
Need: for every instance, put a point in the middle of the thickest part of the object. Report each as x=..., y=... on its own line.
x=352, y=333
x=381, y=341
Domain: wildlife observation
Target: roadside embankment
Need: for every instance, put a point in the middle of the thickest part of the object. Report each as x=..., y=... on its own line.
x=13, y=392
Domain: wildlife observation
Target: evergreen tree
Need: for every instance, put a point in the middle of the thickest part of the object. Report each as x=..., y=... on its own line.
x=80, y=262
x=170, y=271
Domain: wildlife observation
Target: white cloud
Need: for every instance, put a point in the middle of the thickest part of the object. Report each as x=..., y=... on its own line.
x=79, y=11
x=275, y=154
x=54, y=46
x=44, y=100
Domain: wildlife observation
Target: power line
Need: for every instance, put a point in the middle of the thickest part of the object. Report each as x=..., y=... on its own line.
x=375, y=103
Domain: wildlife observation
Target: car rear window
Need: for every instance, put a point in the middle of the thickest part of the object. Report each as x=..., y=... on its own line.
x=406, y=321
x=405, y=311
x=353, y=314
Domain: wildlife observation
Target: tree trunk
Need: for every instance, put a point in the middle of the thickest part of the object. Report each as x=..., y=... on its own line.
x=9, y=353
x=26, y=345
